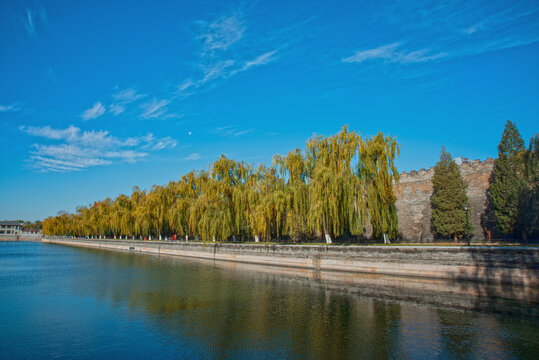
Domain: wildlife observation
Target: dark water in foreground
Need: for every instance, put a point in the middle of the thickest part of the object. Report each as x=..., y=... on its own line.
x=62, y=302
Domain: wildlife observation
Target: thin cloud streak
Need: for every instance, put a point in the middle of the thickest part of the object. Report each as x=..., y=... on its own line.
x=154, y=109
x=127, y=96
x=32, y=18
x=192, y=157
x=230, y=131
x=222, y=32
x=391, y=53
x=94, y=112
x=122, y=99
x=263, y=59
x=14, y=107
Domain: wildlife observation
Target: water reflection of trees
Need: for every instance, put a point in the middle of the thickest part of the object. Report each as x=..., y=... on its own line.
x=458, y=331
x=244, y=314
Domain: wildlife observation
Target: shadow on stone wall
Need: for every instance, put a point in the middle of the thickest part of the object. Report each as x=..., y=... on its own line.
x=496, y=269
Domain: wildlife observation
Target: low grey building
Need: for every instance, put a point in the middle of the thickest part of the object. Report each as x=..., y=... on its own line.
x=10, y=227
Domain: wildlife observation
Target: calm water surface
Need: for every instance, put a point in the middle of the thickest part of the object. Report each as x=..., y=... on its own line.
x=62, y=302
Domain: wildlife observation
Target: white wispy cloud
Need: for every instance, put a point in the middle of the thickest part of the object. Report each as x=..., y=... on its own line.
x=159, y=144
x=154, y=109
x=116, y=108
x=263, y=59
x=10, y=107
x=382, y=52
x=474, y=28
x=33, y=18
x=127, y=96
x=94, y=112
x=393, y=53
x=192, y=157
x=121, y=99
x=223, y=32
x=230, y=131
x=75, y=150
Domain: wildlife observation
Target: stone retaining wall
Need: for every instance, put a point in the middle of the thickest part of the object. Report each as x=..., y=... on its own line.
x=21, y=237
x=514, y=265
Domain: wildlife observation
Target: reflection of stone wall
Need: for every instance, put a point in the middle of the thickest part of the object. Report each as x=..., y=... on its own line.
x=415, y=190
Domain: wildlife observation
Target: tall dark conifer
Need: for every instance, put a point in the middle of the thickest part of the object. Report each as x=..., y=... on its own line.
x=448, y=199
x=529, y=196
x=508, y=181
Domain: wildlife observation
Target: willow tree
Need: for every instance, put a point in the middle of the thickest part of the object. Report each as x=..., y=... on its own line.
x=333, y=189
x=141, y=212
x=158, y=204
x=295, y=168
x=83, y=221
x=210, y=215
x=231, y=177
x=123, y=217
x=254, y=197
x=267, y=204
x=378, y=174
x=183, y=193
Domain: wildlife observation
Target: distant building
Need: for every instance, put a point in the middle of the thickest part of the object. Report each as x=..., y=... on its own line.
x=10, y=227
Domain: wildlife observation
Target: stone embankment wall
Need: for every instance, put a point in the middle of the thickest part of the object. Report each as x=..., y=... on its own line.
x=21, y=237
x=514, y=265
x=414, y=206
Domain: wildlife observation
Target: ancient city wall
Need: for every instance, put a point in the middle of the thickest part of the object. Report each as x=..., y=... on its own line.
x=415, y=190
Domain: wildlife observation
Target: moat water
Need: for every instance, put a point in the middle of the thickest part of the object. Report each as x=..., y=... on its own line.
x=61, y=302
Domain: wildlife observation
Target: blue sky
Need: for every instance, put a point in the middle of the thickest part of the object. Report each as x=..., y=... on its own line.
x=99, y=96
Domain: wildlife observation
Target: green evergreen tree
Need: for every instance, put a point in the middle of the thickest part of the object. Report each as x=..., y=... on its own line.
x=508, y=180
x=448, y=199
x=529, y=196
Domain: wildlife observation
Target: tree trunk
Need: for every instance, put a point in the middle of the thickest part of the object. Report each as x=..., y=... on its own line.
x=524, y=236
x=160, y=237
x=257, y=238
x=456, y=239
x=328, y=239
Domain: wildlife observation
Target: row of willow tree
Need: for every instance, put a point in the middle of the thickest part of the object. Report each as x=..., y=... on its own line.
x=339, y=186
